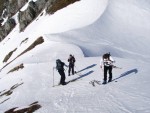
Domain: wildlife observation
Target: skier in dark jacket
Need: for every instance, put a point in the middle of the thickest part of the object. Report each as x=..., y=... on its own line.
x=60, y=67
x=71, y=61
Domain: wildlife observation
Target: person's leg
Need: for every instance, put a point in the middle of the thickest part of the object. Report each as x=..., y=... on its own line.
x=105, y=74
x=73, y=70
x=62, y=79
x=110, y=74
x=69, y=70
x=60, y=76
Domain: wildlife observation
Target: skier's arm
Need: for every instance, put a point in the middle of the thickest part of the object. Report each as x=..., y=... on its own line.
x=66, y=65
x=111, y=59
x=101, y=63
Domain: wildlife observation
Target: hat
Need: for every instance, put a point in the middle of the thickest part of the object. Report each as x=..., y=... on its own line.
x=58, y=60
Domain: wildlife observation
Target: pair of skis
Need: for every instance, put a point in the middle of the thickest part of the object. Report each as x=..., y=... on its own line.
x=94, y=82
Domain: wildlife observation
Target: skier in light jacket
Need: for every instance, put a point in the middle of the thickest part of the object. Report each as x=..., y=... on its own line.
x=106, y=63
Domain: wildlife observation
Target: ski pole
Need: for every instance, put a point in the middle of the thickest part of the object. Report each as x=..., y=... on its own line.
x=77, y=71
x=53, y=76
x=76, y=68
x=117, y=67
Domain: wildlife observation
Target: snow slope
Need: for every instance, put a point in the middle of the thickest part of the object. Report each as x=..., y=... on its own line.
x=86, y=29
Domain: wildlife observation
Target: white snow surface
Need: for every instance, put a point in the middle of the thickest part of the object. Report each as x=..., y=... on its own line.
x=87, y=29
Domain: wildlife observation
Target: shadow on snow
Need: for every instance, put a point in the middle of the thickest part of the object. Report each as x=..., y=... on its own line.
x=126, y=73
x=81, y=76
x=87, y=68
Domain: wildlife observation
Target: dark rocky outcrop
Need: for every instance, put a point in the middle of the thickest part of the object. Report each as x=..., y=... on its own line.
x=10, y=91
x=9, y=25
x=32, y=11
x=7, y=9
x=30, y=109
x=41, y=4
x=56, y=5
x=27, y=16
x=14, y=6
x=38, y=41
x=1, y=20
x=9, y=55
x=2, y=6
x=21, y=66
x=6, y=28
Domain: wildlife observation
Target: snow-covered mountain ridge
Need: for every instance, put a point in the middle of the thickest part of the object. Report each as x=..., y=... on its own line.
x=87, y=29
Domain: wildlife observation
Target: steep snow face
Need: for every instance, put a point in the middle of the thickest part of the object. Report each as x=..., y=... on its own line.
x=123, y=29
x=128, y=22
x=69, y=18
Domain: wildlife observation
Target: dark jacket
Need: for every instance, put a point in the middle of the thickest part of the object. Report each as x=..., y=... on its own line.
x=71, y=60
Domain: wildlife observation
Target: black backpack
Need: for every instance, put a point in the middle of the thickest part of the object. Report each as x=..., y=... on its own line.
x=59, y=65
x=71, y=60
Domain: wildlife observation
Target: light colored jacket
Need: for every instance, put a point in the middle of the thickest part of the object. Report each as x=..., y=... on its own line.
x=106, y=62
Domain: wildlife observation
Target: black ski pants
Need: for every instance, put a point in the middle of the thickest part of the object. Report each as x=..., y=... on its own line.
x=71, y=68
x=62, y=74
x=109, y=70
